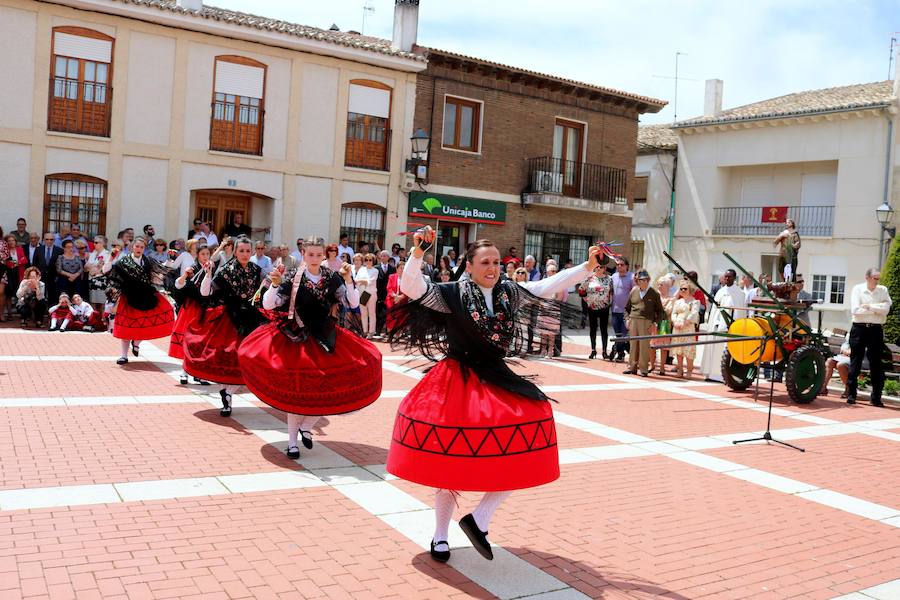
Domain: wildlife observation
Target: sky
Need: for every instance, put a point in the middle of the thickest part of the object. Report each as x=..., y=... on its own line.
x=759, y=48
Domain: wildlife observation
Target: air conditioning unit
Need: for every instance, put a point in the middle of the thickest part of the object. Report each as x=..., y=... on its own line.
x=547, y=182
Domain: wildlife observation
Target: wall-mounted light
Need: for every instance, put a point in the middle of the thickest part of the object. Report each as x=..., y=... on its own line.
x=417, y=165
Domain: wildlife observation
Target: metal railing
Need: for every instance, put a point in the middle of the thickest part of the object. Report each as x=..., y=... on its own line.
x=368, y=146
x=749, y=220
x=79, y=106
x=548, y=175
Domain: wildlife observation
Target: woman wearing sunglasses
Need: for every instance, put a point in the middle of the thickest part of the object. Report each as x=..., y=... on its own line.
x=685, y=317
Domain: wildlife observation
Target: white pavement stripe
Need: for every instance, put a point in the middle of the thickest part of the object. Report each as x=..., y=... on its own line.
x=885, y=591
x=851, y=504
x=156, y=489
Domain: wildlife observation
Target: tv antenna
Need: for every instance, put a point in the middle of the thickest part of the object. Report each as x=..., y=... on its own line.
x=677, y=79
x=894, y=44
x=367, y=8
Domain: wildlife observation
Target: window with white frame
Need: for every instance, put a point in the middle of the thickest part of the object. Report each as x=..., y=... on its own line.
x=829, y=289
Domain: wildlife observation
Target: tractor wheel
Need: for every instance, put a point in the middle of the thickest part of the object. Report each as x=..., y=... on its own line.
x=737, y=376
x=804, y=374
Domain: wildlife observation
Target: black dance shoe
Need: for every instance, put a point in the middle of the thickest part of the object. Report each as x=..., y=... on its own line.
x=440, y=556
x=293, y=452
x=122, y=361
x=476, y=536
x=134, y=348
x=593, y=354
x=183, y=380
x=226, y=403
x=306, y=438
x=199, y=381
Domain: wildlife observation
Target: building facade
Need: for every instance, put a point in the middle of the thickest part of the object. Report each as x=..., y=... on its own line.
x=121, y=113
x=524, y=159
x=651, y=226
x=824, y=158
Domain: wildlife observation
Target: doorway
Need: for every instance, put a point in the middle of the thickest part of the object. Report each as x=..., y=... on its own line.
x=218, y=208
x=568, y=144
x=451, y=235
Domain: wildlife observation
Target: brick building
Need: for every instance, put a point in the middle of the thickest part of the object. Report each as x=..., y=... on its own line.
x=528, y=160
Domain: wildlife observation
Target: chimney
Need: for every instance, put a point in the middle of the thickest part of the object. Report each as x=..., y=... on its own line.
x=194, y=5
x=712, y=101
x=406, y=24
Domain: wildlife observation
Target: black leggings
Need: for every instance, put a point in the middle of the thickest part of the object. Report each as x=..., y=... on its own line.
x=603, y=316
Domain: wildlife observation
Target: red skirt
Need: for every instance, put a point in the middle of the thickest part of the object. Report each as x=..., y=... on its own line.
x=456, y=432
x=210, y=348
x=189, y=312
x=133, y=324
x=304, y=379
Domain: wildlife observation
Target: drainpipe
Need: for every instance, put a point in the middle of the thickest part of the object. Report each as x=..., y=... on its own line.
x=672, y=203
x=886, y=196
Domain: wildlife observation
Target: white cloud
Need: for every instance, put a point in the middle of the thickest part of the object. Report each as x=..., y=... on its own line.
x=761, y=48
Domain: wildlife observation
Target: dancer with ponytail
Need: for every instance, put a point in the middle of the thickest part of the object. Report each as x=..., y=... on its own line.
x=142, y=313
x=304, y=363
x=472, y=424
x=211, y=342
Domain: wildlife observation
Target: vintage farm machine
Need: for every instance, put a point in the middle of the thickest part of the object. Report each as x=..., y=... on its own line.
x=769, y=334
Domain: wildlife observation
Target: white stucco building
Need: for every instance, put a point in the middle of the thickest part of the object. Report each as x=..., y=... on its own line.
x=823, y=157
x=119, y=113
x=651, y=226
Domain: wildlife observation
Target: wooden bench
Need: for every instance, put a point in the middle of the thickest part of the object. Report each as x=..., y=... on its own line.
x=837, y=338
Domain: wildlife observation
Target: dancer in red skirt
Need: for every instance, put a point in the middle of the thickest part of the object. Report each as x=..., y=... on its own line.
x=211, y=342
x=471, y=423
x=191, y=305
x=142, y=313
x=304, y=363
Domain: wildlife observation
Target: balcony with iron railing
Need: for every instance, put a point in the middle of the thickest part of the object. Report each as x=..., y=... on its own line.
x=82, y=107
x=573, y=184
x=368, y=146
x=752, y=221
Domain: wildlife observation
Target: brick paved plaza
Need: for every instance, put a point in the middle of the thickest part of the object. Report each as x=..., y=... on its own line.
x=120, y=483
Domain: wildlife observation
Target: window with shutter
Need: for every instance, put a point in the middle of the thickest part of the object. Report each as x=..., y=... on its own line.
x=80, y=75
x=71, y=198
x=236, y=123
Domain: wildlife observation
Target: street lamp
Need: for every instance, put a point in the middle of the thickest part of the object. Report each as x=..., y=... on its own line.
x=885, y=216
x=420, y=141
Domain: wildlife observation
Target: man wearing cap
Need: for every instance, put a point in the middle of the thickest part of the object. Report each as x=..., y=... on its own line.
x=645, y=310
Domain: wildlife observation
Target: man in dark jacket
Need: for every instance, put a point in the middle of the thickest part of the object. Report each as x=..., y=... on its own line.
x=45, y=260
x=385, y=270
x=645, y=310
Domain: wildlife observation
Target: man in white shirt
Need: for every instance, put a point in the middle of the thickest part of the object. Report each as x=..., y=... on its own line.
x=344, y=247
x=728, y=296
x=298, y=253
x=206, y=234
x=261, y=260
x=870, y=304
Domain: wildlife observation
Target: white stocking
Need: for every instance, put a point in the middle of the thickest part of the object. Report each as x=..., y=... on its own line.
x=231, y=389
x=309, y=422
x=125, y=344
x=444, y=504
x=485, y=509
x=293, y=423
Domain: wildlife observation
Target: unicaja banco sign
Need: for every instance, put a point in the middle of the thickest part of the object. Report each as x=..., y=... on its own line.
x=456, y=208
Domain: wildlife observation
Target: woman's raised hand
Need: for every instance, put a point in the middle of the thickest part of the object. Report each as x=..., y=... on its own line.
x=276, y=277
x=594, y=254
x=346, y=273
x=425, y=235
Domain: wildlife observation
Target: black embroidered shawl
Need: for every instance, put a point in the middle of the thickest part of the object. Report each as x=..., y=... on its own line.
x=315, y=305
x=234, y=286
x=449, y=321
x=138, y=283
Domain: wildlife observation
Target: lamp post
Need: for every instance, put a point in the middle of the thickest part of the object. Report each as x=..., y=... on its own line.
x=885, y=216
x=421, y=142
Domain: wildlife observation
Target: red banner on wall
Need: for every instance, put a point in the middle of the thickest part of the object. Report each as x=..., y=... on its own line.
x=774, y=214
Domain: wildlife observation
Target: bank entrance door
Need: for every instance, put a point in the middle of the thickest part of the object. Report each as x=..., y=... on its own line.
x=451, y=235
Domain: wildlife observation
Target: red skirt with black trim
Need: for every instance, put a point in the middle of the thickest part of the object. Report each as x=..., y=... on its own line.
x=133, y=324
x=302, y=378
x=456, y=432
x=211, y=348
x=188, y=312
